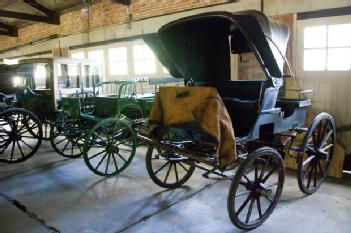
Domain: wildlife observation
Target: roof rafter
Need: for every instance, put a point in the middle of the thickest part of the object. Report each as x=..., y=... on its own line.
x=51, y=16
x=8, y=30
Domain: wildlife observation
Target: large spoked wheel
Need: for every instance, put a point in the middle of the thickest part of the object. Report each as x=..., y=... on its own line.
x=105, y=149
x=256, y=188
x=20, y=135
x=67, y=138
x=168, y=169
x=316, y=153
x=129, y=113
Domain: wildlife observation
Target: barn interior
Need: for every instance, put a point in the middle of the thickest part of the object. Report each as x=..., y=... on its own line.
x=83, y=84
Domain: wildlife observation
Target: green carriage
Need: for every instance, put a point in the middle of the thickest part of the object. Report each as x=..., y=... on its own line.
x=99, y=125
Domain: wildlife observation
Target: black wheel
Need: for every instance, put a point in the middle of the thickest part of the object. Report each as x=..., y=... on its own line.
x=316, y=153
x=67, y=138
x=256, y=188
x=105, y=149
x=20, y=135
x=168, y=169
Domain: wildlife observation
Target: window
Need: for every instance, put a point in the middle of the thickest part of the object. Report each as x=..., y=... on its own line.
x=327, y=47
x=78, y=55
x=144, y=60
x=40, y=76
x=118, y=61
x=96, y=55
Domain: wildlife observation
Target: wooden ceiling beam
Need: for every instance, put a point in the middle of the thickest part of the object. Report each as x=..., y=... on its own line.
x=124, y=2
x=51, y=16
x=8, y=30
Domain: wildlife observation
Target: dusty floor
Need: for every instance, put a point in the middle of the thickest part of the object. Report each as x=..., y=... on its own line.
x=49, y=193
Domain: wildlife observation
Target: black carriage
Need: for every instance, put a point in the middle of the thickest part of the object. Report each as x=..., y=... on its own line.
x=199, y=49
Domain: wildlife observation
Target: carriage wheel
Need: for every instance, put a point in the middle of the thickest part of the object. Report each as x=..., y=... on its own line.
x=316, y=153
x=105, y=151
x=67, y=138
x=168, y=169
x=20, y=135
x=256, y=188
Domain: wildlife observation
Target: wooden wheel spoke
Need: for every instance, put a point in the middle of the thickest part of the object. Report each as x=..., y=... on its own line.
x=258, y=202
x=242, y=193
x=168, y=171
x=267, y=198
x=163, y=166
x=115, y=162
x=108, y=161
x=180, y=164
x=243, y=205
x=315, y=175
x=119, y=155
x=256, y=170
x=65, y=147
x=264, y=169
x=56, y=143
x=176, y=172
x=269, y=174
x=32, y=148
x=308, y=160
x=12, y=150
x=250, y=210
x=326, y=137
x=20, y=149
x=310, y=175
x=103, y=158
x=95, y=155
x=320, y=168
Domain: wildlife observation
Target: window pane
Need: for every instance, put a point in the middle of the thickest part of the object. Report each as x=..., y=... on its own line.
x=139, y=67
x=149, y=66
x=315, y=37
x=314, y=59
x=339, y=59
x=79, y=55
x=339, y=35
x=138, y=51
x=118, y=68
x=96, y=55
x=118, y=54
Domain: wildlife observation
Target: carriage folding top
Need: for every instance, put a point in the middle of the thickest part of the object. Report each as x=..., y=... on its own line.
x=204, y=53
x=198, y=48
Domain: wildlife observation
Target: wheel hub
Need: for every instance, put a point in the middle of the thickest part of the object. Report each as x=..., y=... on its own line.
x=112, y=149
x=16, y=136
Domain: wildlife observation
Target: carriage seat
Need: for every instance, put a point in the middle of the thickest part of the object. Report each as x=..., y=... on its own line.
x=243, y=114
x=241, y=98
x=102, y=107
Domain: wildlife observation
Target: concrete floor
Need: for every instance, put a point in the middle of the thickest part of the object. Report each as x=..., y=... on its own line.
x=49, y=193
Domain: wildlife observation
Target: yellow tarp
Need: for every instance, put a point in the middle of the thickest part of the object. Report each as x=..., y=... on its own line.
x=203, y=105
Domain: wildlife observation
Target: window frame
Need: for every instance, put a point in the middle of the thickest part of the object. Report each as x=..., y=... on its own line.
x=299, y=57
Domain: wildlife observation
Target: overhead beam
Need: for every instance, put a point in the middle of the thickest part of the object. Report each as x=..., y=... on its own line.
x=8, y=30
x=124, y=2
x=41, y=8
x=28, y=17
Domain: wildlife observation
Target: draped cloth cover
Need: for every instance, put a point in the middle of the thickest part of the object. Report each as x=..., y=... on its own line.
x=175, y=106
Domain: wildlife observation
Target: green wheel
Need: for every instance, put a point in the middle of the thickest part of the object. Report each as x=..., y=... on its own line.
x=20, y=135
x=105, y=150
x=67, y=138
